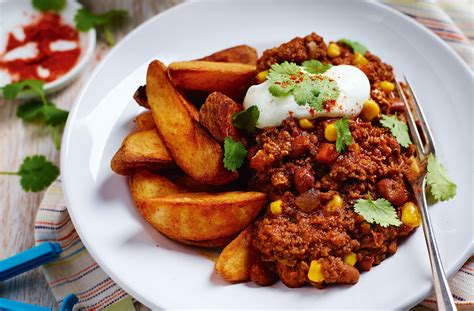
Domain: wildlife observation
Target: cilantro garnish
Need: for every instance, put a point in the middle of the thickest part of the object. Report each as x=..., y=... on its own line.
x=399, y=129
x=246, y=120
x=344, y=137
x=36, y=173
x=379, y=211
x=354, y=45
x=441, y=186
x=315, y=66
x=234, y=154
x=85, y=20
x=41, y=111
x=288, y=79
x=49, y=5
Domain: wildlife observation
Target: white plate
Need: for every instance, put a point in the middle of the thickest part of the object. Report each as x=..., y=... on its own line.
x=163, y=274
x=17, y=13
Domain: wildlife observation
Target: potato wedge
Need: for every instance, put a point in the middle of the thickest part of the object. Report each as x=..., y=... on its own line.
x=242, y=54
x=140, y=96
x=193, y=150
x=209, y=243
x=202, y=216
x=231, y=79
x=144, y=149
x=146, y=185
x=234, y=263
x=144, y=121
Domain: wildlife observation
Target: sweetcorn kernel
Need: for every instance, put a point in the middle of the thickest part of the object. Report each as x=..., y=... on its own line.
x=387, y=86
x=360, y=60
x=350, y=259
x=314, y=273
x=330, y=132
x=414, y=166
x=306, y=124
x=370, y=110
x=411, y=215
x=275, y=207
x=333, y=50
x=335, y=203
x=262, y=76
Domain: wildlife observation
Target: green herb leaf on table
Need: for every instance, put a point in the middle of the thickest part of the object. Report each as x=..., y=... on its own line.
x=399, y=129
x=12, y=90
x=288, y=79
x=354, y=45
x=49, y=5
x=378, y=211
x=315, y=66
x=246, y=120
x=344, y=136
x=36, y=173
x=234, y=154
x=85, y=20
x=441, y=186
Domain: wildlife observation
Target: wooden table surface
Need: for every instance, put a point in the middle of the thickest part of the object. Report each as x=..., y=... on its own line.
x=17, y=140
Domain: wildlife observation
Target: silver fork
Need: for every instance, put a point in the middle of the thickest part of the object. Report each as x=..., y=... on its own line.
x=444, y=298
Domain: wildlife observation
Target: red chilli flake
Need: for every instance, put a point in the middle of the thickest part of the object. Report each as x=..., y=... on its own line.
x=46, y=29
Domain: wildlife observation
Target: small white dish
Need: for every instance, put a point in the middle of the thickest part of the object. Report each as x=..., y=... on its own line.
x=21, y=12
x=163, y=274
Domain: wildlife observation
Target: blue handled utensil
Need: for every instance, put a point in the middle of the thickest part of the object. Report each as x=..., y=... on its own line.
x=28, y=260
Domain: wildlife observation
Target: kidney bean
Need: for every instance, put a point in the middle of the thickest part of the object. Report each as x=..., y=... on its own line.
x=299, y=146
x=394, y=191
x=303, y=179
x=261, y=275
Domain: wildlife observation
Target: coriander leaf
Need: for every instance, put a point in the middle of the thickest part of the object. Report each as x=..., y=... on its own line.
x=234, y=154
x=37, y=173
x=54, y=116
x=283, y=76
x=379, y=211
x=441, y=186
x=312, y=90
x=30, y=111
x=11, y=91
x=246, y=120
x=354, y=45
x=85, y=20
x=49, y=5
x=315, y=66
x=399, y=129
x=344, y=137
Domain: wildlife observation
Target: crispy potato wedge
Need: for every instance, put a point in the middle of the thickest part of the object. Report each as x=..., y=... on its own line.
x=231, y=79
x=146, y=185
x=234, y=263
x=143, y=149
x=144, y=121
x=193, y=150
x=202, y=216
x=209, y=243
x=140, y=96
x=242, y=54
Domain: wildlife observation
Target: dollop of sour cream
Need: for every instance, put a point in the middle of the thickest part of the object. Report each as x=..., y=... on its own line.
x=354, y=90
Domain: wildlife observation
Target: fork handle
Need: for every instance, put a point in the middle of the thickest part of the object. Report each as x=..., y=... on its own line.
x=444, y=298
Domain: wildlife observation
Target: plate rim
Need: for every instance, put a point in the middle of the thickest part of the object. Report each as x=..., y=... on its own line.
x=68, y=128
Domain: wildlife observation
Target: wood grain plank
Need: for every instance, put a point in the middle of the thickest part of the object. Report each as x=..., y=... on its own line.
x=17, y=140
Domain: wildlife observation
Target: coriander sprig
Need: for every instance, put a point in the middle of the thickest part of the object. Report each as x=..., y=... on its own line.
x=36, y=173
x=234, y=154
x=85, y=20
x=40, y=111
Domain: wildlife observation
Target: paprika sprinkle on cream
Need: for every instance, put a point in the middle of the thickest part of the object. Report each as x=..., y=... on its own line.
x=45, y=50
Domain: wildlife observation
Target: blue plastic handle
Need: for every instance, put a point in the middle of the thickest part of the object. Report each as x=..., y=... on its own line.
x=9, y=305
x=29, y=259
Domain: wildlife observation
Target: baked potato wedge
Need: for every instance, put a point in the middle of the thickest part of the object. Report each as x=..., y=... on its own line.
x=202, y=216
x=146, y=185
x=231, y=79
x=143, y=149
x=144, y=121
x=242, y=54
x=234, y=263
x=209, y=243
x=191, y=147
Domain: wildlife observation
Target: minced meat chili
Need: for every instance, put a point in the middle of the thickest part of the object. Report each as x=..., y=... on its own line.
x=303, y=170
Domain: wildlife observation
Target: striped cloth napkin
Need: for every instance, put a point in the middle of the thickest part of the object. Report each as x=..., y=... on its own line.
x=76, y=272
